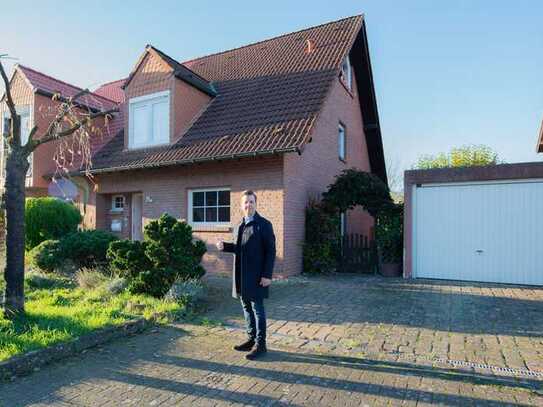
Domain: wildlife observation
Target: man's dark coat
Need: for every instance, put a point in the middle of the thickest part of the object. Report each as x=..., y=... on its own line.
x=254, y=257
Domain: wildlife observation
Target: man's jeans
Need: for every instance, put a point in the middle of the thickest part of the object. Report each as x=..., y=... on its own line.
x=255, y=319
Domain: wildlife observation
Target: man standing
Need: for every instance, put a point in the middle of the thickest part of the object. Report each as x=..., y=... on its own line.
x=254, y=257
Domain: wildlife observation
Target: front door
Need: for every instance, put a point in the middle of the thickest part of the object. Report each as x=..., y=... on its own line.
x=137, y=226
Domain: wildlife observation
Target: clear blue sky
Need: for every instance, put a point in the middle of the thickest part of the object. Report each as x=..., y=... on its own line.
x=447, y=73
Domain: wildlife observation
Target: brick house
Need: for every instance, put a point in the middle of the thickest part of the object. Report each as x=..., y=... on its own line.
x=282, y=117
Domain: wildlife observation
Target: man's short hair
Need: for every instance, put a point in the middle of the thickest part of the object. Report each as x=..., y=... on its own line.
x=248, y=192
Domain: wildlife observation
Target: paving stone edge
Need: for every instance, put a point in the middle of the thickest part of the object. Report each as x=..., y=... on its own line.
x=29, y=362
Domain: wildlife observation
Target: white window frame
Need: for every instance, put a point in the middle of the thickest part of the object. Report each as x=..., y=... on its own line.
x=148, y=100
x=114, y=203
x=342, y=141
x=207, y=224
x=346, y=73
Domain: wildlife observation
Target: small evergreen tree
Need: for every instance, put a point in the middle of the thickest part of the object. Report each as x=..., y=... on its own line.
x=167, y=253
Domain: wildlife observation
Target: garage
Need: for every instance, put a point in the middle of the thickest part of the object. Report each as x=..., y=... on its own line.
x=475, y=224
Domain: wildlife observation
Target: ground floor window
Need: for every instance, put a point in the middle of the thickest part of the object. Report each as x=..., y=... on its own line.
x=117, y=203
x=209, y=206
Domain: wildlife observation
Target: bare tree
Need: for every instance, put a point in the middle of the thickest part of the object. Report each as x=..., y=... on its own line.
x=69, y=120
x=394, y=173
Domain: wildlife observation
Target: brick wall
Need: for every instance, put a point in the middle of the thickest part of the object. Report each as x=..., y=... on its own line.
x=188, y=104
x=167, y=189
x=310, y=174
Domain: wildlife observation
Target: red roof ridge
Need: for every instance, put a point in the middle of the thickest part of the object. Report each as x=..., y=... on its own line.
x=61, y=81
x=110, y=82
x=273, y=38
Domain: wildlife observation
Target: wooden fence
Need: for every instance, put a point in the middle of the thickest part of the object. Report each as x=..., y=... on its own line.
x=358, y=254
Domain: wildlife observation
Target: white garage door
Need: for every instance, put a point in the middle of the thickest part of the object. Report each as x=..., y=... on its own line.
x=487, y=231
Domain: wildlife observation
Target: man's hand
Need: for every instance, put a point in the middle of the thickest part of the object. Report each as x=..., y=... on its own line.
x=264, y=282
x=220, y=245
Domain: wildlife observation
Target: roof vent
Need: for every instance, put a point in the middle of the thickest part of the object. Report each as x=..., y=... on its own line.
x=309, y=46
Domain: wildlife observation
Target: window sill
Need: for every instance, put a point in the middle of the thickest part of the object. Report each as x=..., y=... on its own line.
x=116, y=211
x=211, y=228
x=146, y=147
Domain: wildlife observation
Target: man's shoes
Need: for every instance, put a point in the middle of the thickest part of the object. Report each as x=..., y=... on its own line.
x=257, y=353
x=245, y=346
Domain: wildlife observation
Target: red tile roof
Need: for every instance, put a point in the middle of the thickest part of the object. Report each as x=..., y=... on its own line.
x=269, y=95
x=112, y=90
x=49, y=86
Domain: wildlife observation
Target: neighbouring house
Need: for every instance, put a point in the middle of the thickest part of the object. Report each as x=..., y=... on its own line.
x=282, y=117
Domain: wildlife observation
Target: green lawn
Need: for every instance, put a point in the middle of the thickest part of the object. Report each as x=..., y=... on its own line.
x=60, y=311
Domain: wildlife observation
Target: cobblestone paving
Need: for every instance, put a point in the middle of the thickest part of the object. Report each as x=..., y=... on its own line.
x=498, y=325
x=333, y=341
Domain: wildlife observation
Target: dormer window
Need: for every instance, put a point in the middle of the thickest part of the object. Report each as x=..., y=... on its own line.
x=346, y=74
x=149, y=120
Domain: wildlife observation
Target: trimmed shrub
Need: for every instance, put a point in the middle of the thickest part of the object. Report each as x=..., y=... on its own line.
x=49, y=219
x=46, y=256
x=168, y=253
x=86, y=248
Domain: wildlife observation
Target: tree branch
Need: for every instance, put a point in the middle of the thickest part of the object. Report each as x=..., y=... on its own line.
x=49, y=136
x=9, y=99
x=78, y=95
x=11, y=106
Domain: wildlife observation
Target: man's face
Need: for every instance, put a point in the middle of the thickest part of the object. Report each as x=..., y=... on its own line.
x=248, y=205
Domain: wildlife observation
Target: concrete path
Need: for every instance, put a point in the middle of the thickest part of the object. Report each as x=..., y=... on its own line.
x=341, y=340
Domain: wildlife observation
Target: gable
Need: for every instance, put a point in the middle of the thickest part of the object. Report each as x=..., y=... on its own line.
x=151, y=75
x=21, y=91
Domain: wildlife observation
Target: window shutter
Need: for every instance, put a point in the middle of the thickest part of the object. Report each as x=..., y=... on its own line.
x=160, y=121
x=140, y=122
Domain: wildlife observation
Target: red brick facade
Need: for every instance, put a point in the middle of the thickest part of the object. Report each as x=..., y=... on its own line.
x=309, y=174
x=167, y=189
x=283, y=184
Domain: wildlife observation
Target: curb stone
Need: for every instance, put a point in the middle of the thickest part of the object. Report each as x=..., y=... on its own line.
x=32, y=361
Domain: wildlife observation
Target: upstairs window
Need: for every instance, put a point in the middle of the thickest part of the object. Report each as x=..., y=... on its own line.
x=341, y=141
x=149, y=120
x=346, y=74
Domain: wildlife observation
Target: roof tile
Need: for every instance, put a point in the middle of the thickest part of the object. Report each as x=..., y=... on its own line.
x=50, y=85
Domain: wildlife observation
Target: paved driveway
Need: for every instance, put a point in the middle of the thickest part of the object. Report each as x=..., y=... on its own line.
x=341, y=340
x=497, y=325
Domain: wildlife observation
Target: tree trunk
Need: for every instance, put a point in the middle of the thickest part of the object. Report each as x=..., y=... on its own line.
x=16, y=168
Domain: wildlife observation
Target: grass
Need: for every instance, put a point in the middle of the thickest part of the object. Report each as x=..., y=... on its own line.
x=61, y=311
